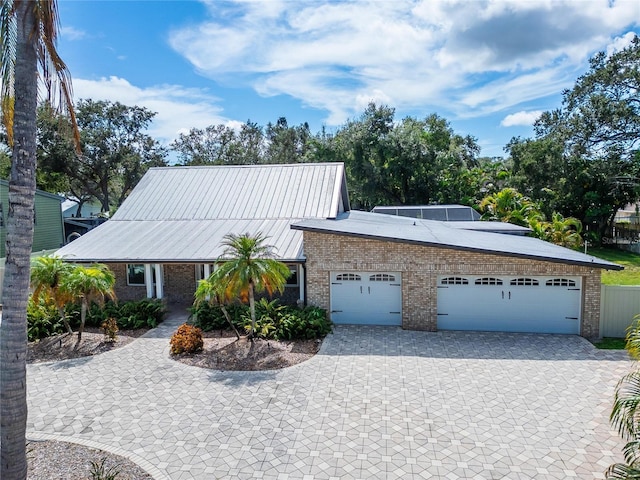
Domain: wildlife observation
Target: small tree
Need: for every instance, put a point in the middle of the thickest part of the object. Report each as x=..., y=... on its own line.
x=48, y=275
x=249, y=268
x=90, y=284
x=214, y=292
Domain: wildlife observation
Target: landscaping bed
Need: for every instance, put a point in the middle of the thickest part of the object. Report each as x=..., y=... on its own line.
x=222, y=351
x=65, y=346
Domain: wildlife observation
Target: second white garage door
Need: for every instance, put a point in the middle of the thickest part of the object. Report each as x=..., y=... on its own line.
x=510, y=304
x=366, y=298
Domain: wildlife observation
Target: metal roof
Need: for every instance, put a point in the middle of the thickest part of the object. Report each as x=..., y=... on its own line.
x=308, y=190
x=182, y=241
x=442, y=235
x=181, y=214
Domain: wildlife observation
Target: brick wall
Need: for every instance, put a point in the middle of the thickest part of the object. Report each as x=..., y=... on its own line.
x=179, y=285
x=421, y=265
x=125, y=292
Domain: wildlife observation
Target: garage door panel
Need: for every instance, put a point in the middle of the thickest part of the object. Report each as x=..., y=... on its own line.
x=368, y=298
x=511, y=304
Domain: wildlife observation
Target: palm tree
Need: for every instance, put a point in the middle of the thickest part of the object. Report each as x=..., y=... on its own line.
x=565, y=231
x=248, y=268
x=509, y=205
x=48, y=276
x=28, y=33
x=90, y=284
x=215, y=292
x=625, y=416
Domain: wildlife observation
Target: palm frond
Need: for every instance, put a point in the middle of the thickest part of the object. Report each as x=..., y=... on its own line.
x=625, y=415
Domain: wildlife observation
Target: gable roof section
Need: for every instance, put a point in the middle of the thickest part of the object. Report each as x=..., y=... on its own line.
x=181, y=214
x=442, y=235
x=238, y=192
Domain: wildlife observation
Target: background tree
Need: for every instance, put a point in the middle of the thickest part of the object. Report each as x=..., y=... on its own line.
x=28, y=33
x=285, y=144
x=248, y=268
x=509, y=205
x=116, y=152
x=597, y=130
x=221, y=145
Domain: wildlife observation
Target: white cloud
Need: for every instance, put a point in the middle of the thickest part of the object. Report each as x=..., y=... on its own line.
x=71, y=33
x=178, y=109
x=521, y=119
x=471, y=58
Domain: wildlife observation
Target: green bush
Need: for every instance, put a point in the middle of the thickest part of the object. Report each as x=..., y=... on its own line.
x=43, y=320
x=210, y=317
x=146, y=313
x=273, y=320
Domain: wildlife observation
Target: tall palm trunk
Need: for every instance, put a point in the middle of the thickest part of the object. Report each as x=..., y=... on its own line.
x=83, y=316
x=63, y=317
x=252, y=310
x=13, y=327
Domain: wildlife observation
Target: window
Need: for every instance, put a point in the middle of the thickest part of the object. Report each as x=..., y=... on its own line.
x=524, y=282
x=200, y=271
x=292, y=281
x=1, y=216
x=488, y=281
x=348, y=277
x=560, y=282
x=454, y=281
x=135, y=274
x=382, y=277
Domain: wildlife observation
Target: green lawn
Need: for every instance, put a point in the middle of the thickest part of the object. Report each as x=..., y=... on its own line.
x=611, y=343
x=631, y=262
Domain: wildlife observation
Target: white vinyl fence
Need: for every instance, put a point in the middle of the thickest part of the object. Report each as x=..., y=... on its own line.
x=619, y=304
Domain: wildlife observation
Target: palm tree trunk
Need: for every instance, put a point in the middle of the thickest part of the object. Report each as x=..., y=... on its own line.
x=63, y=317
x=252, y=309
x=83, y=317
x=22, y=184
x=228, y=317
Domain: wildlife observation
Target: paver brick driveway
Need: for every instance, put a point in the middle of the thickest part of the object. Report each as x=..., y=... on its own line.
x=375, y=403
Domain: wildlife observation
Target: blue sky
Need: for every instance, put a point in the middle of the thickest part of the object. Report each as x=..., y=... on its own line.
x=488, y=67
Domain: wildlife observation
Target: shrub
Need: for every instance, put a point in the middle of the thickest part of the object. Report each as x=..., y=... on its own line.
x=43, y=319
x=99, y=471
x=110, y=328
x=187, y=339
x=210, y=317
x=273, y=320
x=282, y=322
x=146, y=313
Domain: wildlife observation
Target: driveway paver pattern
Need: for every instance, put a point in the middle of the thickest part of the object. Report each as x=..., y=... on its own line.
x=376, y=402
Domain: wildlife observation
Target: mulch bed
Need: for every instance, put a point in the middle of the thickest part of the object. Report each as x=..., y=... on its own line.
x=222, y=351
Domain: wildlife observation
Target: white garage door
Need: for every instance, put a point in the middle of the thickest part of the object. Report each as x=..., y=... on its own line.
x=510, y=304
x=366, y=298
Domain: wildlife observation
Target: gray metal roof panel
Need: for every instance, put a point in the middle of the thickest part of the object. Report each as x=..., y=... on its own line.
x=442, y=235
x=238, y=191
x=177, y=240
